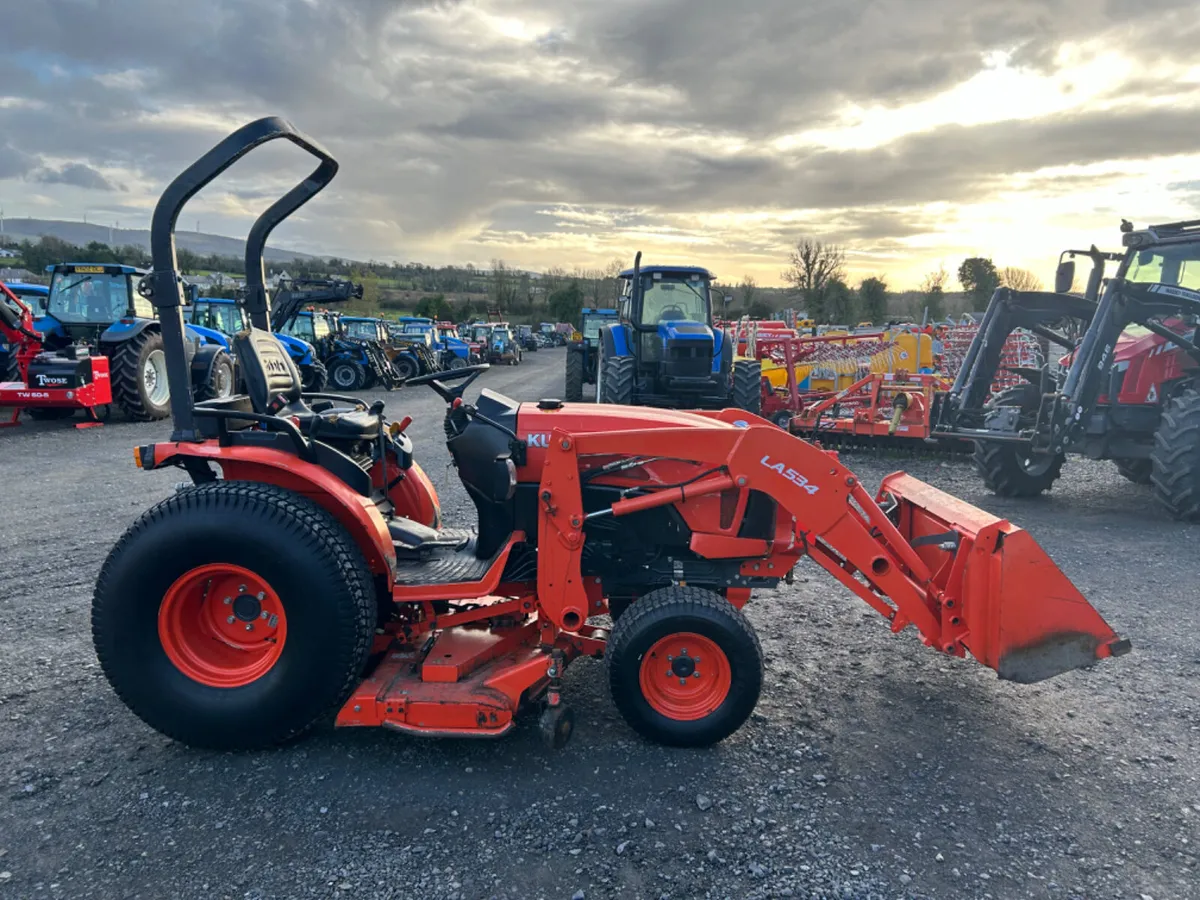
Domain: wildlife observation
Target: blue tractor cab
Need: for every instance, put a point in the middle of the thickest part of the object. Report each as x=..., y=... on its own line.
x=34, y=296
x=96, y=305
x=665, y=350
x=452, y=351
x=219, y=318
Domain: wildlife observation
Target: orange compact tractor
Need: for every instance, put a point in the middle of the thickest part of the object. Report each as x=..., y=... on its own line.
x=306, y=572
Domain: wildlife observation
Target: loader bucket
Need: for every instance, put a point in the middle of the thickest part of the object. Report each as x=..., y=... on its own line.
x=1002, y=597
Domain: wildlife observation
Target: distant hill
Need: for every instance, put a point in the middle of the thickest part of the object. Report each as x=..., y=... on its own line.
x=81, y=234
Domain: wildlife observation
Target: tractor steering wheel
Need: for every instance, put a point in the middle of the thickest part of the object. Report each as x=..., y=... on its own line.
x=435, y=379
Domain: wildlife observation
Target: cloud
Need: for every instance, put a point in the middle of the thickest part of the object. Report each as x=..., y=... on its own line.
x=460, y=125
x=77, y=175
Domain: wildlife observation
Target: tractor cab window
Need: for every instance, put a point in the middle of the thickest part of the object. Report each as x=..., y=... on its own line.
x=224, y=317
x=301, y=327
x=98, y=297
x=1173, y=264
x=674, y=300
x=592, y=326
x=367, y=331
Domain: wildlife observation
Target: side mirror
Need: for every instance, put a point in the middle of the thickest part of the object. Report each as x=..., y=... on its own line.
x=1064, y=276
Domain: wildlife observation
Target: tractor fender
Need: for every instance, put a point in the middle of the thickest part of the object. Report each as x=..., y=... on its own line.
x=266, y=465
x=722, y=353
x=301, y=351
x=202, y=362
x=125, y=329
x=210, y=336
x=616, y=340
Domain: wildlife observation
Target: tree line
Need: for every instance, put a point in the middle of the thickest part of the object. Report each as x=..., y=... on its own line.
x=817, y=275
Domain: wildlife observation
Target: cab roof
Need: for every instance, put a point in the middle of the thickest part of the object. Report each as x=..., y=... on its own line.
x=678, y=271
x=22, y=287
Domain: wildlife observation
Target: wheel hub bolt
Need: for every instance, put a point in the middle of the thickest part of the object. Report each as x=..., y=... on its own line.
x=231, y=620
x=263, y=614
x=228, y=600
x=249, y=627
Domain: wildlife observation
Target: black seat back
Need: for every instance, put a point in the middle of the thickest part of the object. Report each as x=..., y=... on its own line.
x=272, y=379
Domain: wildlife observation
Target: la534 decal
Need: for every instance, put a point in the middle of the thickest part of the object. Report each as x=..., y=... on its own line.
x=791, y=475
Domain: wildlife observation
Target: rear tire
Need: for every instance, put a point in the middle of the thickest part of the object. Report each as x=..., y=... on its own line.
x=747, y=386
x=713, y=686
x=574, y=389
x=314, y=572
x=221, y=381
x=1176, y=457
x=617, y=381
x=457, y=362
x=314, y=377
x=139, y=377
x=1003, y=467
x=347, y=375
x=1136, y=470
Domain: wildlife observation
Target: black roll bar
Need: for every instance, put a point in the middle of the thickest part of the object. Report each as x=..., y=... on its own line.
x=163, y=287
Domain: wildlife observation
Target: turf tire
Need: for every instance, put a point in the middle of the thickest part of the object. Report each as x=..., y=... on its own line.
x=310, y=562
x=683, y=609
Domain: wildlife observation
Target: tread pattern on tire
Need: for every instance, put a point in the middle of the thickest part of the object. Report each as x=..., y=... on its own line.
x=1176, y=457
x=997, y=462
x=685, y=601
x=360, y=378
x=317, y=377
x=12, y=371
x=574, y=389
x=126, y=376
x=309, y=524
x=747, y=386
x=618, y=380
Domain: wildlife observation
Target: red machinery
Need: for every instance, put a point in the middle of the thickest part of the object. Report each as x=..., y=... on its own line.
x=307, y=570
x=52, y=385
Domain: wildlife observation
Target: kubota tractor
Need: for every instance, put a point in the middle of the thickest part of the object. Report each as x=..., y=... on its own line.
x=665, y=350
x=307, y=570
x=1127, y=390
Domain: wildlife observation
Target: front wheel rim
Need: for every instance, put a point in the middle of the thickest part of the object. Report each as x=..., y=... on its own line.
x=685, y=676
x=224, y=382
x=344, y=376
x=222, y=626
x=154, y=377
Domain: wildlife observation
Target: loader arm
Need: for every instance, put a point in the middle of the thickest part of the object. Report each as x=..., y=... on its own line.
x=966, y=580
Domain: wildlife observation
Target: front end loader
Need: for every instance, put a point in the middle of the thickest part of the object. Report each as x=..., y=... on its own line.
x=307, y=571
x=1127, y=388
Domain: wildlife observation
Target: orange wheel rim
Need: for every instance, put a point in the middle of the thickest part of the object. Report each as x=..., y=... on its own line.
x=222, y=625
x=685, y=676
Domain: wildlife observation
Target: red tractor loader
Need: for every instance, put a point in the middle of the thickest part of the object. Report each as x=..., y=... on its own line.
x=306, y=571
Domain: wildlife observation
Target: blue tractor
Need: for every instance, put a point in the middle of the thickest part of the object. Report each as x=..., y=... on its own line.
x=665, y=351
x=220, y=318
x=583, y=350
x=96, y=305
x=362, y=356
x=453, y=351
x=34, y=296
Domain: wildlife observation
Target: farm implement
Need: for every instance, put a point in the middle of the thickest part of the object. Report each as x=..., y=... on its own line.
x=307, y=572
x=49, y=385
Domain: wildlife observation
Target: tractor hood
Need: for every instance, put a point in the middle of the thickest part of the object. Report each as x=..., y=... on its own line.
x=685, y=331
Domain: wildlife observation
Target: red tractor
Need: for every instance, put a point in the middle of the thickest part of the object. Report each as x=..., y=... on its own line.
x=306, y=571
x=1128, y=388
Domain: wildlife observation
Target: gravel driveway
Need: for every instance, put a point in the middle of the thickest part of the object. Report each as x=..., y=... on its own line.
x=873, y=767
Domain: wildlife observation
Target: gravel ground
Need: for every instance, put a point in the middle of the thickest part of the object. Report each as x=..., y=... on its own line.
x=872, y=768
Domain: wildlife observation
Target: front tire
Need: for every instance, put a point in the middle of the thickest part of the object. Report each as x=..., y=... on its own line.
x=221, y=381
x=747, y=386
x=684, y=666
x=1005, y=468
x=574, y=388
x=406, y=367
x=1176, y=457
x=139, y=377
x=300, y=597
x=314, y=377
x=616, y=380
x=347, y=375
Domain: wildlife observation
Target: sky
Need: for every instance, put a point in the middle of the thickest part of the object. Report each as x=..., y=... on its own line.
x=913, y=133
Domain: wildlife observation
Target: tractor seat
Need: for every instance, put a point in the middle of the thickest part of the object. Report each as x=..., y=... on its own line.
x=273, y=383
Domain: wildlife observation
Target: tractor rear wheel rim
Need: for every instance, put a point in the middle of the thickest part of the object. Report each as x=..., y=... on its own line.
x=154, y=376
x=224, y=379
x=221, y=625
x=685, y=676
